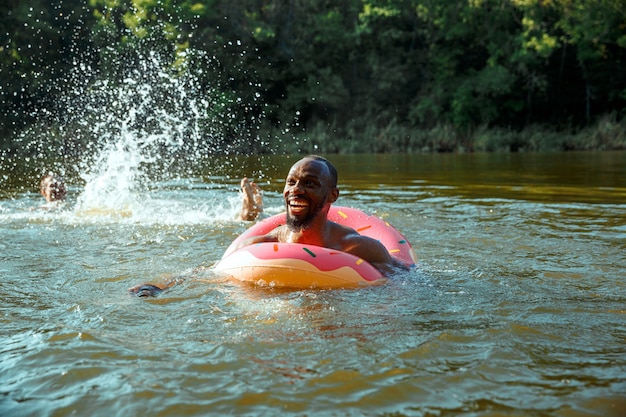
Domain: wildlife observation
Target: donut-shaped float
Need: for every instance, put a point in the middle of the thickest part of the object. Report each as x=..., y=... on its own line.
x=292, y=265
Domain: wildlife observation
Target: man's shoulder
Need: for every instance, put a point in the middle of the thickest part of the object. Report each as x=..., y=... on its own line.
x=342, y=232
x=348, y=237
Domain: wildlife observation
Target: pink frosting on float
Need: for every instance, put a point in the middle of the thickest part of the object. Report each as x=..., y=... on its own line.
x=323, y=259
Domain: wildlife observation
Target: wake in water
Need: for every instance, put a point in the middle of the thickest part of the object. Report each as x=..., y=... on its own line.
x=204, y=204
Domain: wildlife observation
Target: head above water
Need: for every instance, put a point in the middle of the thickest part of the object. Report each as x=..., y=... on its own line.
x=52, y=187
x=334, y=176
x=310, y=189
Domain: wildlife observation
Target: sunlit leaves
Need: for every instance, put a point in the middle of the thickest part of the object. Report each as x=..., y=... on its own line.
x=341, y=63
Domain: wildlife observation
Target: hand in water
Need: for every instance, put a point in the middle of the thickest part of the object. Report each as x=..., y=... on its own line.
x=152, y=290
x=145, y=290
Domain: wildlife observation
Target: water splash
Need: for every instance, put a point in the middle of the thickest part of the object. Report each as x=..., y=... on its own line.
x=155, y=124
x=130, y=123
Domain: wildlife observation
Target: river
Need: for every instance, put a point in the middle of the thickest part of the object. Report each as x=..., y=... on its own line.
x=517, y=306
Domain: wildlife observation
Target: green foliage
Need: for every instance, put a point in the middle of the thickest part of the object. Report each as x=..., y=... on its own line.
x=37, y=43
x=372, y=75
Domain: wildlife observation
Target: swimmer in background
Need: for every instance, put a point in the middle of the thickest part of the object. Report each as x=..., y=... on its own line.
x=310, y=189
x=52, y=187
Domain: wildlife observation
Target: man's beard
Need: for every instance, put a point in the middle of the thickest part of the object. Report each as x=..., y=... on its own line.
x=296, y=224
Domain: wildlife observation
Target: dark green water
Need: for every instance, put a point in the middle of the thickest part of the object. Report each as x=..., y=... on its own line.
x=518, y=307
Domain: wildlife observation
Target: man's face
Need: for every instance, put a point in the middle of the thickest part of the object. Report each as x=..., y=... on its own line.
x=308, y=193
x=47, y=189
x=52, y=189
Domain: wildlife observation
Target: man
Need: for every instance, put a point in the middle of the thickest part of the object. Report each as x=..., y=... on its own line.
x=310, y=189
x=52, y=188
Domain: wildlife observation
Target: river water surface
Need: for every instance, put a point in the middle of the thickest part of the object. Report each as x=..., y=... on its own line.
x=517, y=307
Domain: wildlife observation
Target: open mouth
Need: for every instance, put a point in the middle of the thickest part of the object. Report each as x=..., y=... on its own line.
x=298, y=206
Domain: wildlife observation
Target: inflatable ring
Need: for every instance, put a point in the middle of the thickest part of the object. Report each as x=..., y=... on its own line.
x=292, y=265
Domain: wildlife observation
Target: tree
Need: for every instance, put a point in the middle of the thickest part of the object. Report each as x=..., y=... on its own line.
x=38, y=46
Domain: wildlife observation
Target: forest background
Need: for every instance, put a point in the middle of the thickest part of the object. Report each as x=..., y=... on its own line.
x=331, y=76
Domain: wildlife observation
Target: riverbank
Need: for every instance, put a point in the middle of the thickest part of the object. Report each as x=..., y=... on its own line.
x=609, y=133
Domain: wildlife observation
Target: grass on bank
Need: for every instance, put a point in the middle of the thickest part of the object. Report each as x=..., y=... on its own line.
x=608, y=133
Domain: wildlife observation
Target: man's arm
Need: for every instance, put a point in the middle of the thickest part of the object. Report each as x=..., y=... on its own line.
x=373, y=252
x=252, y=204
x=270, y=237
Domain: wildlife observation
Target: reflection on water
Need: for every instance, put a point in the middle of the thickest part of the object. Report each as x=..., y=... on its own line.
x=517, y=307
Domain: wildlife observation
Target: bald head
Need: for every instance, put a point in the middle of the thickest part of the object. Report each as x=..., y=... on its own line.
x=332, y=171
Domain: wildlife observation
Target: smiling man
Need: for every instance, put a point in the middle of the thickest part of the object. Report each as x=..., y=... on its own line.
x=310, y=189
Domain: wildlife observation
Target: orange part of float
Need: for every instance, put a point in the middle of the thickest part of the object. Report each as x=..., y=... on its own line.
x=299, y=266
